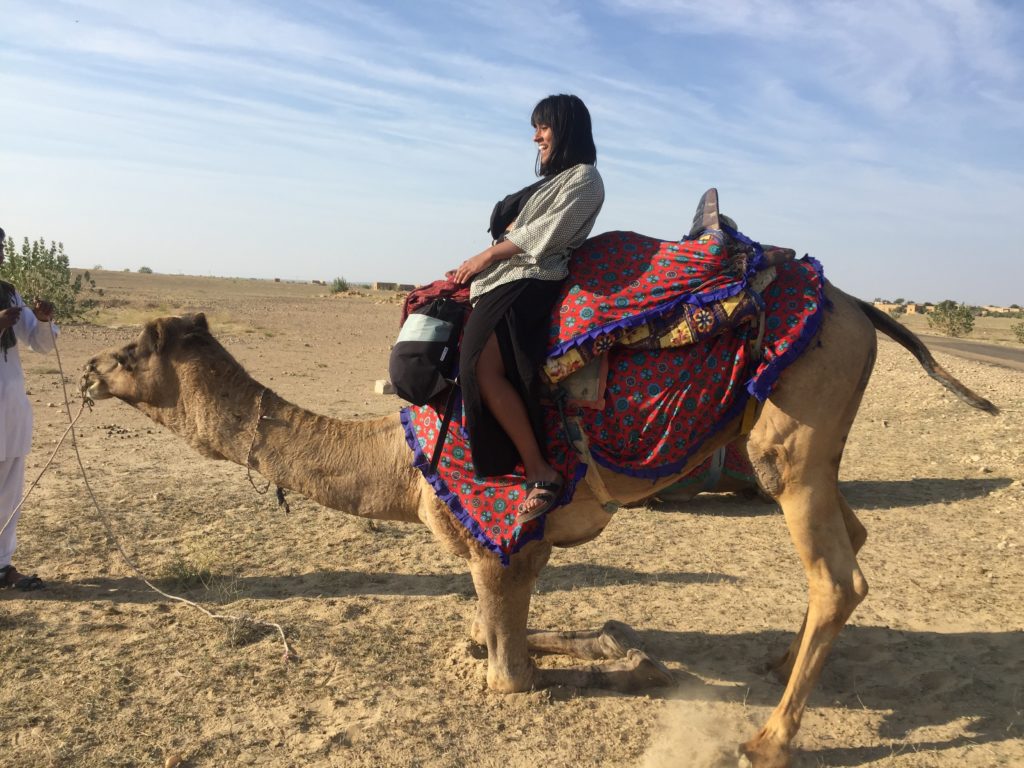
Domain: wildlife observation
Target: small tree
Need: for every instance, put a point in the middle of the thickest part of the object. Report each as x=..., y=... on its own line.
x=339, y=285
x=951, y=318
x=145, y=271
x=41, y=271
x=898, y=310
x=1018, y=331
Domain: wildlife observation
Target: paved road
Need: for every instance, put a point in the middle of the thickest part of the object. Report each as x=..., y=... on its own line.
x=1008, y=357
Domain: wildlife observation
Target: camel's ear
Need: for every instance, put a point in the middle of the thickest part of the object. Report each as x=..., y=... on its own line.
x=199, y=319
x=150, y=340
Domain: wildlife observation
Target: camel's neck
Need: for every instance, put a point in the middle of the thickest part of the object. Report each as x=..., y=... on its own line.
x=359, y=467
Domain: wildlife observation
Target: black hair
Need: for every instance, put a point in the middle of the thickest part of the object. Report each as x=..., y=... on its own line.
x=2, y=234
x=569, y=120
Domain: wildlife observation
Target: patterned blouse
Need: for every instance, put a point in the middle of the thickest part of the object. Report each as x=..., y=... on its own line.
x=555, y=220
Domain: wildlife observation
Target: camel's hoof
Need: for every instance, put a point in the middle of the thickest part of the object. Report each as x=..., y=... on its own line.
x=650, y=672
x=726, y=757
x=617, y=639
x=764, y=756
x=777, y=669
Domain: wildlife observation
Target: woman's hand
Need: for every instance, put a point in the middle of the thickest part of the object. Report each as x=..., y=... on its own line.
x=8, y=317
x=506, y=249
x=471, y=267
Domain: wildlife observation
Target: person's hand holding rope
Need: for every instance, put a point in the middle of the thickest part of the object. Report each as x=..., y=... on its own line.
x=43, y=310
x=9, y=317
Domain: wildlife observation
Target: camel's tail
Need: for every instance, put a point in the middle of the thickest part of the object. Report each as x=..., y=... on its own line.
x=905, y=338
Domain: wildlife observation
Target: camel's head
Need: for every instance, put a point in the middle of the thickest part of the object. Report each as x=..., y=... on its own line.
x=144, y=371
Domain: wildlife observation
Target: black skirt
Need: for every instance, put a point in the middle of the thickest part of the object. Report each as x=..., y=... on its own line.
x=519, y=313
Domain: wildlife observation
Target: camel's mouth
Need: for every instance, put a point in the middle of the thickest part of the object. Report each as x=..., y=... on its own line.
x=93, y=387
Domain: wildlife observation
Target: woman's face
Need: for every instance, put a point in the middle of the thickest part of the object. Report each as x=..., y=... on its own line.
x=544, y=138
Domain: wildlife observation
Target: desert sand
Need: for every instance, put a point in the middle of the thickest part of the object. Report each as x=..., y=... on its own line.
x=99, y=670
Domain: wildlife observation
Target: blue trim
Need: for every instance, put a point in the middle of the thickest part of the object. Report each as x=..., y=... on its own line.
x=632, y=321
x=698, y=299
x=761, y=385
x=451, y=499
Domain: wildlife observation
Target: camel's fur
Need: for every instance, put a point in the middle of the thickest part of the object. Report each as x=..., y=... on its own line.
x=182, y=378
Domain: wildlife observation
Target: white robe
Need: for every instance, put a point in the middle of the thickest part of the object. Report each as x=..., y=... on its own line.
x=15, y=409
x=16, y=421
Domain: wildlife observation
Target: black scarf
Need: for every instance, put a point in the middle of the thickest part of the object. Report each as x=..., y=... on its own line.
x=7, y=337
x=507, y=209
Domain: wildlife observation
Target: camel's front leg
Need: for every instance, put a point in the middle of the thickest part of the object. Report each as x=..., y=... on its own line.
x=503, y=606
x=503, y=595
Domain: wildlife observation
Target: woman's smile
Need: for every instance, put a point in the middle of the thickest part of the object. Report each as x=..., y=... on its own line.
x=544, y=137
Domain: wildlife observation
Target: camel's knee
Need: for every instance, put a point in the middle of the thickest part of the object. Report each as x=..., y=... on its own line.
x=838, y=598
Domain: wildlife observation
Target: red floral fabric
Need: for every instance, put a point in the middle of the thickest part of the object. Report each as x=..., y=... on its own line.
x=661, y=405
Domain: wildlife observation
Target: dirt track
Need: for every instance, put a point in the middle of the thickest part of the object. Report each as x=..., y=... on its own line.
x=98, y=670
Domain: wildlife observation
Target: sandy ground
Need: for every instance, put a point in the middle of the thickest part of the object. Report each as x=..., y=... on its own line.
x=99, y=670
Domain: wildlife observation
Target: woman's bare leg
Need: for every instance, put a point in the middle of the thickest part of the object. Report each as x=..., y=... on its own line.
x=504, y=402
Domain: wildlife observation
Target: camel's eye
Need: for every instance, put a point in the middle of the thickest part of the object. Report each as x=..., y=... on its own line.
x=120, y=359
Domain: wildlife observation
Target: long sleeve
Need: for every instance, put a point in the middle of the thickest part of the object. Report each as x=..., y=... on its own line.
x=556, y=219
x=565, y=222
x=32, y=333
x=15, y=409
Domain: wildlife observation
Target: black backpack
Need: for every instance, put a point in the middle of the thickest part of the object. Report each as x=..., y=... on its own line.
x=425, y=356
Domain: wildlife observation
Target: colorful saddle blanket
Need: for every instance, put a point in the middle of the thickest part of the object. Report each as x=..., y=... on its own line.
x=630, y=290
x=661, y=404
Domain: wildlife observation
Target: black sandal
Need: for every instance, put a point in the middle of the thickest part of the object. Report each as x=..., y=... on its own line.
x=550, y=491
x=11, y=578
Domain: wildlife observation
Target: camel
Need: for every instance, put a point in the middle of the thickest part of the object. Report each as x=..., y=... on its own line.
x=181, y=377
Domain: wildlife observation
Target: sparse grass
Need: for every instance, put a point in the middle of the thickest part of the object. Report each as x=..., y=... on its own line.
x=189, y=570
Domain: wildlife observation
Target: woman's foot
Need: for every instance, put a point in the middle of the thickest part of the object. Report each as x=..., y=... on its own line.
x=540, y=498
x=11, y=578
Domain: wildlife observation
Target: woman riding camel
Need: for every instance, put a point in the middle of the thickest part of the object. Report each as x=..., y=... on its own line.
x=515, y=284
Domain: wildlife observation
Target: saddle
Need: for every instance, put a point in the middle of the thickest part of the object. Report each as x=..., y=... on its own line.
x=578, y=377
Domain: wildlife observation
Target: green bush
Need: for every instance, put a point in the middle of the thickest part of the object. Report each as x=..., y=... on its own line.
x=951, y=318
x=339, y=285
x=145, y=271
x=1018, y=331
x=41, y=271
x=898, y=310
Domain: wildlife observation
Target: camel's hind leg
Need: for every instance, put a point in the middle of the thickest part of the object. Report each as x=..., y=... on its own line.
x=782, y=667
x=795, y=448
x=817, y=524
x=614, y=640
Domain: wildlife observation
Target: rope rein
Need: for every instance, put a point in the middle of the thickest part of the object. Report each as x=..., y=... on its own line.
x=281, y=500
x=104, y=519
x=252, y=444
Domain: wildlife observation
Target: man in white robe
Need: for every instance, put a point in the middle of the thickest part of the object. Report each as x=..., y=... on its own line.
x=21, y=327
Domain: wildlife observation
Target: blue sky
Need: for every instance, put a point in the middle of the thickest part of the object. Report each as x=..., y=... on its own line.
x=315, y=139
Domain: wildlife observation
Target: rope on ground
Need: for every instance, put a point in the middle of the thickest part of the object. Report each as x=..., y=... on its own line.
x=104, y=519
